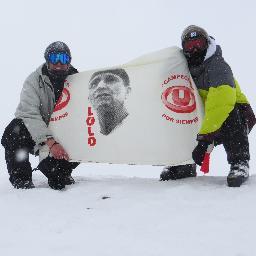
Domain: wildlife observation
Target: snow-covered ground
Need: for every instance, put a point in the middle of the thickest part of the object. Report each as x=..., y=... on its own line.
x=121, y=215
x=139, y=216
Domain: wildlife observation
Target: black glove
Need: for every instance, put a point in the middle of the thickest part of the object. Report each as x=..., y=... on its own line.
x=199, y=152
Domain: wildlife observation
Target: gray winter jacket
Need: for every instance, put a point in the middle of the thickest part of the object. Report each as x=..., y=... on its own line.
x=36, y=105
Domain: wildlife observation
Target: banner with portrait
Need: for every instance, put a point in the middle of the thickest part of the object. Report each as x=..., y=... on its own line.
x=144, y=112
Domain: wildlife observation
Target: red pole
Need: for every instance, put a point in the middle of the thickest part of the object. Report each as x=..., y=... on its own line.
x=206, y=162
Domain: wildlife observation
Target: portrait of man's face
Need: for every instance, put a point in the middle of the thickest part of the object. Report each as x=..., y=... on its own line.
x=108, y=91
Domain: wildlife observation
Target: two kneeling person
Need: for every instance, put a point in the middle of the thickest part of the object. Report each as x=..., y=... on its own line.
x=228, y=116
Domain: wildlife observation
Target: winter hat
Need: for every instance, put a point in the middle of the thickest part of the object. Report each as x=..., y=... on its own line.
x=57, y=46
x=192, y=32
x=119, y=72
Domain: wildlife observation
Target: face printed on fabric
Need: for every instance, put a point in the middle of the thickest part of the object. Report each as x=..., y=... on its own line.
x=107, y=89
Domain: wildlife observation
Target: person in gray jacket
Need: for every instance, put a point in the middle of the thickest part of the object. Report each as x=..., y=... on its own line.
x=28, y=132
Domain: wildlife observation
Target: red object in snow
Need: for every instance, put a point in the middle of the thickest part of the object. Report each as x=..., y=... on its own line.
x=205, y=167
x=206, y=163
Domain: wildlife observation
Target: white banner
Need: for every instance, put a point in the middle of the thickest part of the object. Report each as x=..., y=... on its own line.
x=144, y=112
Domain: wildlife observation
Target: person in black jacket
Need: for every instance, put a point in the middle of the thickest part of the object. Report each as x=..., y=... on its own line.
x=29, y=133
x=228, y=115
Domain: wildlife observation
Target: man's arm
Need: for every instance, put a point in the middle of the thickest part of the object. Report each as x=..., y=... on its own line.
x=219, y=101
x=29, y=111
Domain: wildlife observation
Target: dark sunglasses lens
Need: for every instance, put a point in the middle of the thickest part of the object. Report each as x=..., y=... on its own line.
x=199, y=43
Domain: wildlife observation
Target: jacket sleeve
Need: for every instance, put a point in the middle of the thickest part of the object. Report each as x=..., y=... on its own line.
x=29, y=111
x=219, y=103
x=221, y=97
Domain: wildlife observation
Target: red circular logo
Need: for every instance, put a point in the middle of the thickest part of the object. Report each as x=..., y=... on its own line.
x=179, y=99
x=63, y=100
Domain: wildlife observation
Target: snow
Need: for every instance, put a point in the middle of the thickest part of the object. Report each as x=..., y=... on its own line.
x=142, y=216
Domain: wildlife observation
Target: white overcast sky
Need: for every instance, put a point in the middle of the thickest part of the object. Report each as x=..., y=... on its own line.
x=111, y=32
x=104, y=33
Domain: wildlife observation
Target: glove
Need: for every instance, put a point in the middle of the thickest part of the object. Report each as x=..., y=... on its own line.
x=199, y=152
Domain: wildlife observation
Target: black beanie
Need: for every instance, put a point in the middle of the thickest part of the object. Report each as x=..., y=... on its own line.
x=192, y=32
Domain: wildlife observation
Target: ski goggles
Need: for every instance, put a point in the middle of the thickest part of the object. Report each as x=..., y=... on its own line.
x=198, y=43
x=61, y=57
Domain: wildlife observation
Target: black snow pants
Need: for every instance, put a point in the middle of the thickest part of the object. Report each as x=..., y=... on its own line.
x=234, y=136
x=18, y=143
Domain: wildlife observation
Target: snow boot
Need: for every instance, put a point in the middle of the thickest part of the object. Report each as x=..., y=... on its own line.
x=20, y=171
x=239, y=173
x=21, y=183
x=49, y=167
x=178, y=172
x=67, y=178
x=56, y=182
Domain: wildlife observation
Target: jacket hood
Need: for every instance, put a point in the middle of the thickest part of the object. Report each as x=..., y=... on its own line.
x=213, y=50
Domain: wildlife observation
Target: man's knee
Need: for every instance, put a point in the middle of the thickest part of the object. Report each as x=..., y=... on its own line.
x=16, y=135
